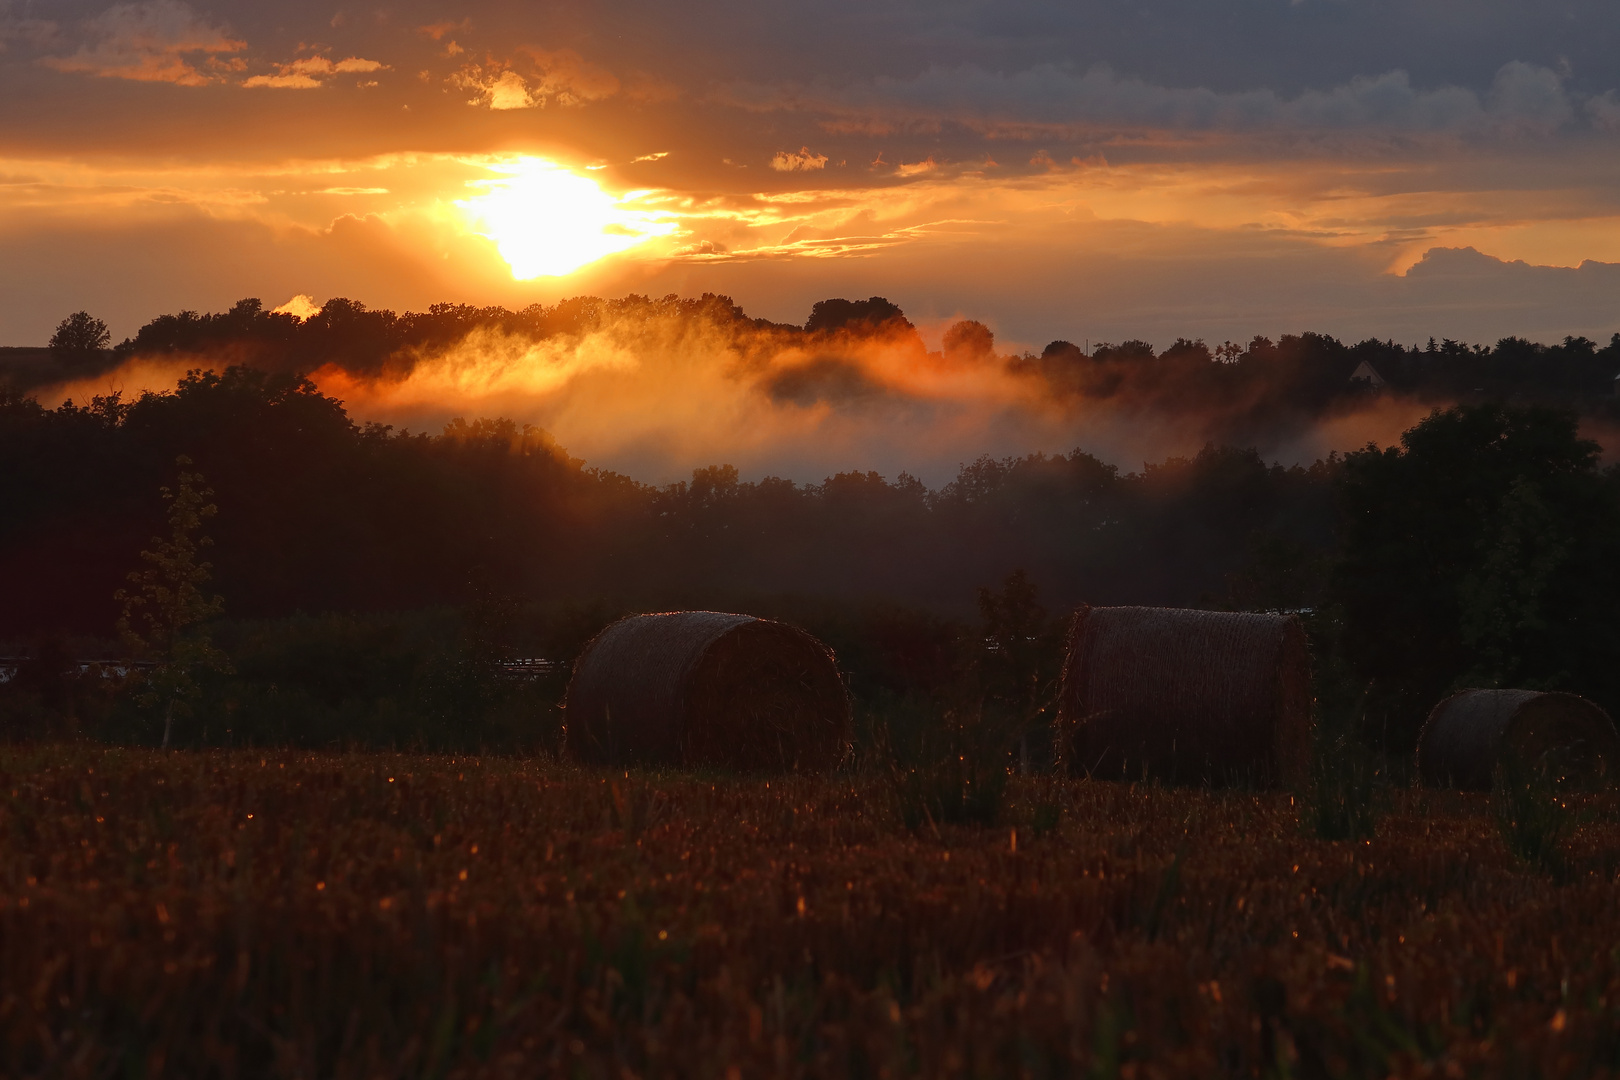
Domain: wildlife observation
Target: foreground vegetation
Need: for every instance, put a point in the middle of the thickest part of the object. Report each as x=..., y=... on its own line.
x=292, y=914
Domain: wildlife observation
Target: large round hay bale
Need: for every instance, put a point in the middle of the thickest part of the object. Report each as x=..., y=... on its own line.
x=1469, y=734
x=705, y=688
x=1211, y=697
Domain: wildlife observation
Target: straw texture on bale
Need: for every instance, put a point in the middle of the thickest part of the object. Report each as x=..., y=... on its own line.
x=706, y=688
x=1187, y=696
x=1469, y=734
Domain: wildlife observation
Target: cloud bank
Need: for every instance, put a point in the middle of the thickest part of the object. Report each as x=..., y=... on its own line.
x=154, y=41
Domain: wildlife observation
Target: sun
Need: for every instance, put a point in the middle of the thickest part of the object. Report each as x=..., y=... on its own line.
x=547, y=221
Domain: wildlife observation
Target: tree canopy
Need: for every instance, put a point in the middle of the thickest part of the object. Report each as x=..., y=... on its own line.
x=79, y=337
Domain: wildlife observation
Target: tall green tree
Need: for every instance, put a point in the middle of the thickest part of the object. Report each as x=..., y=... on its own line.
x=165, y=611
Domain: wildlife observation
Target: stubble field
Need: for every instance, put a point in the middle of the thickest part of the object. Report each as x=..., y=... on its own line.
x=378, y=915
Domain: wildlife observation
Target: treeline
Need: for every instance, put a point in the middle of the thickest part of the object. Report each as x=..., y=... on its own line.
x=318, y=513
x=374, y=579
x=1255, y=388
x=1257, y=394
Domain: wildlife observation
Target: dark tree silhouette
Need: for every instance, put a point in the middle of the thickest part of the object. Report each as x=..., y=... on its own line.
x=871, y=313
x=1482, y=551
x=78, y=338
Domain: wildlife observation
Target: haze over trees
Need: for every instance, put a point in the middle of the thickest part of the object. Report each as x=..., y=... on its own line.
x=1482, y=551
x=1253, y=387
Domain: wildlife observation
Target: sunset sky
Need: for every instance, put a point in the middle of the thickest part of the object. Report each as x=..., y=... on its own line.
x=1097, y=170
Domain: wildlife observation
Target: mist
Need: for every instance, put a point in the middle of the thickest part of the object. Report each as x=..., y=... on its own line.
x=656, y=388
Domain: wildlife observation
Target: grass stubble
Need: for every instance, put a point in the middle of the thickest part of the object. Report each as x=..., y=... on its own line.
x=378, y=915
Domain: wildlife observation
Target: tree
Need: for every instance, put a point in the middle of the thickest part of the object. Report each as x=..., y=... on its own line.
x=79, y=337
x=858, y=315
x=1481, y=552
x=165, y=611
x=969, y=341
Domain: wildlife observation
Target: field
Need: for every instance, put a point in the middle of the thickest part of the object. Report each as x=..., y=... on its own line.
x=278, y=914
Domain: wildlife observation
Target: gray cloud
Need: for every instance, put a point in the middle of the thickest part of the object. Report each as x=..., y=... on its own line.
x=1523, y=100
x=152, y=41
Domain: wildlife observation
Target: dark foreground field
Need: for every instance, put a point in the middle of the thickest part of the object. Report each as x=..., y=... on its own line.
x=292, y=915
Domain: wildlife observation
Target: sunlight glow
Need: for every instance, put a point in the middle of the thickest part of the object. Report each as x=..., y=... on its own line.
x=547, y=221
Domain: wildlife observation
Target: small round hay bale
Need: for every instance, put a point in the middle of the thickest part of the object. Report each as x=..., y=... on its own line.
x=705, y=688
x=1184, y=696
x=1469, y=734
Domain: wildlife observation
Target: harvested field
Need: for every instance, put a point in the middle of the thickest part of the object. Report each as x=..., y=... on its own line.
x=281, y=914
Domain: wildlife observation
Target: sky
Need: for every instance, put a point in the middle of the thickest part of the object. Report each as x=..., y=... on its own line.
x=1089, y=171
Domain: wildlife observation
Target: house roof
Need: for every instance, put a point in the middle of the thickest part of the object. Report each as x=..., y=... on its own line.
x=1366, y=373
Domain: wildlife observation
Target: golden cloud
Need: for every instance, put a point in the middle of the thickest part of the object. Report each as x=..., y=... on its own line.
x=301, y=306
x=562, y=77
x=803, y=161
x=306, y=74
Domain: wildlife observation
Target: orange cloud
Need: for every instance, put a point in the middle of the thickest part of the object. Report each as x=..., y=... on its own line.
x=500, y=91
x=570, y=78
x=148, y=42
x=302, y=306
x=306, y=74
x=562, y=78
x=803, y=161
x=439, y=30
x=916, y=168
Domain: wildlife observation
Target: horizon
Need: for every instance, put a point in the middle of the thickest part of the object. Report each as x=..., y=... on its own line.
x=655, y=389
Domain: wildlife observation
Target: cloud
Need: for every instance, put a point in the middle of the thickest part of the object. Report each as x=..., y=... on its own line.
x=440, y=30
x=302, y=306
x=569, y=78
x=562, y=78
x=306, y=74
x=1529, y=100
x=154, y=41
x=1524, y=99
x=38, y=33
x=509, y=91
x=916, y=168
x=803, y=161
x=1604, y=111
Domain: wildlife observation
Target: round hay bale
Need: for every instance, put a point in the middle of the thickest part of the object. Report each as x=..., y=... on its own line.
x=705, y=688
x=1211, y=697
x=1469, y=734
